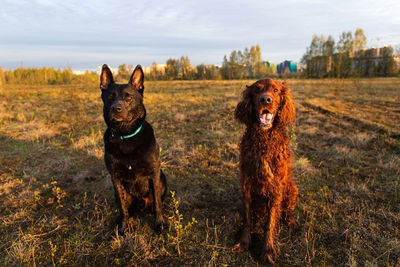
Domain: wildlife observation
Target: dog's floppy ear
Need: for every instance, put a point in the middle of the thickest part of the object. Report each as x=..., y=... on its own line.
x=287, y=111
x=244, y=109
x=137, y=79
x=106, y=77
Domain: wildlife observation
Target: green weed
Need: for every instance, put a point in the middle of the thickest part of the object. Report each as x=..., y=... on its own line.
x=178, y=231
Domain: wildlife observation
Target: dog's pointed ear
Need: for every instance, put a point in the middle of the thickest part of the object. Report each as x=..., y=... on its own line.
x=137, y=79
x=106, y=77
x=244, y=109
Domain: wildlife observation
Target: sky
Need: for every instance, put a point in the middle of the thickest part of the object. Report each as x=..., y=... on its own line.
x=87, y=33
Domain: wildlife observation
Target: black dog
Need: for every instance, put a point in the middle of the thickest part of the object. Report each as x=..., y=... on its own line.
x=131, y=151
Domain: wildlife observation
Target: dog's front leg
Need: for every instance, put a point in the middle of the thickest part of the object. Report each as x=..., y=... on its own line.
x=123, y=200
x=274, y=215
x=158, y=191
x=245, y=238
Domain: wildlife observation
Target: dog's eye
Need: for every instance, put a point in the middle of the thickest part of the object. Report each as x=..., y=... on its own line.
x=275, y=90
x=127, y=97
x=112, y=96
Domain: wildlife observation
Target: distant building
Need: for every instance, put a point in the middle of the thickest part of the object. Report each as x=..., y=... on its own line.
x=114, y=71
x=157, y=67
x=397, y=59
x=217, y=66
x=286, y=66
x=271, y=65
x=79, y=72
x=368, y=62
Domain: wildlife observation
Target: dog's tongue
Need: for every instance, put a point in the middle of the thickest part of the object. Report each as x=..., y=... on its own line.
x=265, y=119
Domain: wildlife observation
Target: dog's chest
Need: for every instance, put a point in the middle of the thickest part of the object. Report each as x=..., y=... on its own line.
x=126, y=165
x=133, y=176
x=130, y=166
x=126, y=149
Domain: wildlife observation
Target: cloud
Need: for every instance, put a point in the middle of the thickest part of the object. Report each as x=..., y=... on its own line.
x=76, y=31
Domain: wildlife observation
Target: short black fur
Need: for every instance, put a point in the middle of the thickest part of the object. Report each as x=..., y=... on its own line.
x=133, y=162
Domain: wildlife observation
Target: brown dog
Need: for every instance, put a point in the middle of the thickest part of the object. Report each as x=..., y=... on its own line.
x=268, y=190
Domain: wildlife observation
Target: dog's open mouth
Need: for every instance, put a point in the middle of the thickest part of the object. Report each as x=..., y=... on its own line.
x=265, y=119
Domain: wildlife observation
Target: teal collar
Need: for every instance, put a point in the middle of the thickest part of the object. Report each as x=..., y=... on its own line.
x=130, y=135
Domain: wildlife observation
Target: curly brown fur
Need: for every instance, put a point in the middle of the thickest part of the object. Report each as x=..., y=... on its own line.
x=268, y=189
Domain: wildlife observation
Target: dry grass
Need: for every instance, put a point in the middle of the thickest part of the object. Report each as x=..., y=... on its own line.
x=372, y=101
x=57, y=199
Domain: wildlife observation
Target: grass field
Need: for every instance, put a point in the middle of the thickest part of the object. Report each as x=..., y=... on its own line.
x=57, y=204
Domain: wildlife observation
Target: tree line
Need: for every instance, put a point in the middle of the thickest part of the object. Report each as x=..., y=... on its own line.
x=44, y=76
x=348, y=57
x=324, y=57
x=246, y=64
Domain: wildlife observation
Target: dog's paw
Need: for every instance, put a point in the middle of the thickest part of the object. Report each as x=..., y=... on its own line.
x=244, y=242
x=122, y=230
x=269, y=255
x=240, y=247
x=123, y=226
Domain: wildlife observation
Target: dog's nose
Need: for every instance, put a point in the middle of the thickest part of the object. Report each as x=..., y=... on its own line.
x=116, y=108
x=265, y=99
